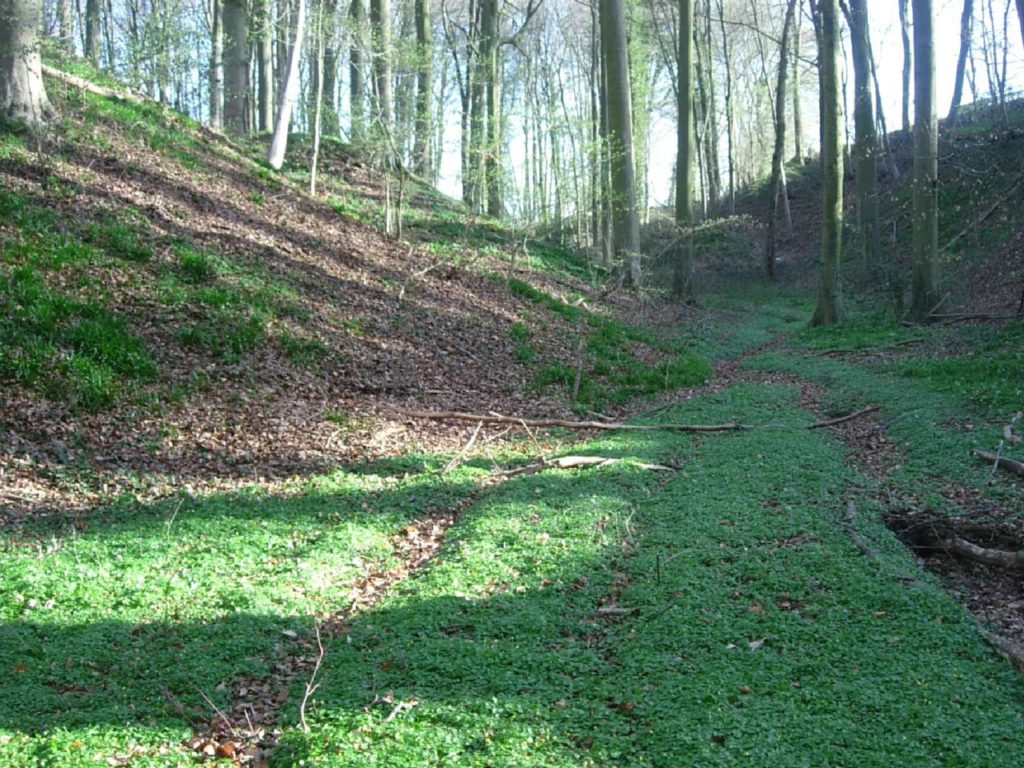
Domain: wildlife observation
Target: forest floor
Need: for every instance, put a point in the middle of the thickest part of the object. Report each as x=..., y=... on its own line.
x=221, y=540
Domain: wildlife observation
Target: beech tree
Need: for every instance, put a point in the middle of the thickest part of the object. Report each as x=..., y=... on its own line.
x=22, y=94
x=961, y=62
x=780, y=142
x=829, y=309
x=279, y=140
x=925, y=281
x=618, y=105
x=865, y=148
x=683, y=273
x=907, y=60
x=236, y=66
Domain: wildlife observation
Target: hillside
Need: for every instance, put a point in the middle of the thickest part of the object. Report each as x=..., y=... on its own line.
x=178, y=316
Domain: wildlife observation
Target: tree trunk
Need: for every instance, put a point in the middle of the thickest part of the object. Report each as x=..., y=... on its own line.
x=65, y=26
x=329, y=92
x=961, y=63
x=780, y=142
x=318, y=97
x=865, y=137
x=907, y=62
x=626, y=223
x=829, y=309
x=23, y=98
x=236, y=66
x=925, y=282
x=729, y=116
x=682, y=279
x=279, y=141
x=92, y=31
x=217, y=64
x=492, y=192
x=798, y=130
x=422, y=157
x=264, y=66
x=380, y=23
x=356, y=77
x=1020, y=17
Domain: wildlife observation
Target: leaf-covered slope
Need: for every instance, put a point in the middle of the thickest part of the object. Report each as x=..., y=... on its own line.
x=174, y=312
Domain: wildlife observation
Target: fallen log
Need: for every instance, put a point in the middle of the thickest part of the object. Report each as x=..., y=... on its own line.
x=844, y=419
x=495, y=418
x=85, y=85
x=1001, y=557
x=1010, y=465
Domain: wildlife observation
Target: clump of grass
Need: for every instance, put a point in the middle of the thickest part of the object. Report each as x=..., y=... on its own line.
x=302, y=351
x=229, y=334
x=195, y=266
x=117, y=237
x=521, y=335
x=67, y=348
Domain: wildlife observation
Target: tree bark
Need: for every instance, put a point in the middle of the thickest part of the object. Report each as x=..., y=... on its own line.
x=780, y=141
x=798, y=130
x=422, y=157
x=329, y=71
x=925, y=282
x=23, y=97
x=1020, y=17
x=829, y=309
x=356, y=77
x=729, y=115
x=865, y=149
x=907, y=62
x=264, y=66
x=380, y=23
x=217, y=64
x=626, y=222
x=279, y=141
x=961, y=62
x=92, y=32
x=236, y=66
x=682, y=279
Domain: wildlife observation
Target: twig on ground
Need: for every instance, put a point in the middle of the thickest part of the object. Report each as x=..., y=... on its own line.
x=843, y=419
x=400, y=707
x=217, y=709
x=495, y=418
x=997, y=460
x=311, y=684
x=457, y=459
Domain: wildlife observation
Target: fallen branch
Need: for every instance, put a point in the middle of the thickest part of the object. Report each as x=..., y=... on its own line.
x=573, y=462
x=1010, y=465
x=1001, y=557
x=868, y=350
x=844, y=419
x=85, y=85
x=311, y=684
x=465, y=449
x=565, y=423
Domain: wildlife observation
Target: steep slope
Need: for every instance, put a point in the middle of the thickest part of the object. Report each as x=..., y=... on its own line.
x=177, y=314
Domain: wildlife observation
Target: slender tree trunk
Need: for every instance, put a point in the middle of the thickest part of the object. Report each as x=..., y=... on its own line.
x=925, y=283
x=356, y=77
x=729, y=116
x=422, y=157
x=798, y=129
x=22, y=94
x=217, y=64
x=318, y=97
x=961, y=63
x=1020, y=17
x=279, y=141
x=264, y=65
x=682, y=279
x=626, y=223
x=236, y=66
x=492, y=136
x=65, y=26
x=907, y=62
x=780, y=142
x=380, y=22
x=865, y=136
x=330, y=125
x=829, y=309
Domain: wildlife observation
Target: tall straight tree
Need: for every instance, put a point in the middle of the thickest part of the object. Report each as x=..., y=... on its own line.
x=865, y=148
x=961, y=62
x=829, y=309
x=279, y=140
x=780, y=142
x=682, y=280
x=907, y=59
x=92, y=31
x=356, y=77
x=422, y=158
x=22, y=95
x=1020, y=17
x=380, y=35
x=236, y=66
x=216, y=8
x=618, y=103
x=925, y=281
x=264, y=32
